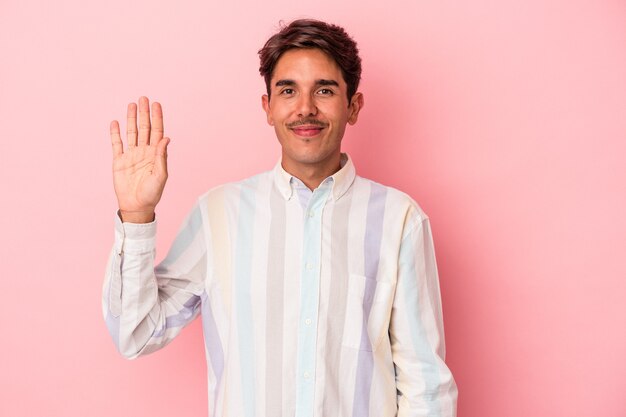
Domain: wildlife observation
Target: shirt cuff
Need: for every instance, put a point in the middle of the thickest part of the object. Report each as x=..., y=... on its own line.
x=134, y=238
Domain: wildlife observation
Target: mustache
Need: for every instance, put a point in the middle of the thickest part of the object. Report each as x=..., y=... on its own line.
x=310, y=122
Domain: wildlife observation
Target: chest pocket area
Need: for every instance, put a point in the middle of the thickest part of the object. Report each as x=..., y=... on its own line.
x=368, y=308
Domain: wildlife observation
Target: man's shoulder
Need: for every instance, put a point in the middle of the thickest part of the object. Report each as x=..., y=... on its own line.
x=398, y=201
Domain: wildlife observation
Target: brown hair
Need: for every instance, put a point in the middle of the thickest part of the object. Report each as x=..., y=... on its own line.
x=309, y=33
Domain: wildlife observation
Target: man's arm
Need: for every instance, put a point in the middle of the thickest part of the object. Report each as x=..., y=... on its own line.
x=424, y=383
x=146, y=307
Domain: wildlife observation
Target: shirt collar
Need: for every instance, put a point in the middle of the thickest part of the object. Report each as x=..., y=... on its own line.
x=341, y=180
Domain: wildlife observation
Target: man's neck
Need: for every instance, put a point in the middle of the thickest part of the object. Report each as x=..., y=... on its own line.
x=312, y=175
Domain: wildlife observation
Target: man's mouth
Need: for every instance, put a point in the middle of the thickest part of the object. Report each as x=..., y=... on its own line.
x=307, y=130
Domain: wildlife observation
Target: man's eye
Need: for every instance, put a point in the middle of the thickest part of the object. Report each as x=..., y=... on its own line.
x=287, y=91
x=326, y=91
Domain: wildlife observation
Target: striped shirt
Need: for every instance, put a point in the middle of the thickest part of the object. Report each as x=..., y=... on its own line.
x=316, y=303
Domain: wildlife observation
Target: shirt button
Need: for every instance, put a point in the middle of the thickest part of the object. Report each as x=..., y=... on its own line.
x=309, y=266
x=307, y=375
x=311, y=213
x=307, y=321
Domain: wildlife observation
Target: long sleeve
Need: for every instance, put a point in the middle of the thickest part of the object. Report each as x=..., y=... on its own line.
x=146, y=307
x=424, y=383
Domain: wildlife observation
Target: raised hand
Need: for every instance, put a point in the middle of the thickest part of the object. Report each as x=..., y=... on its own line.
x=140, y=170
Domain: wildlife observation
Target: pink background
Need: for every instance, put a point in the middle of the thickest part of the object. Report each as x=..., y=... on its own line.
x=505, y=120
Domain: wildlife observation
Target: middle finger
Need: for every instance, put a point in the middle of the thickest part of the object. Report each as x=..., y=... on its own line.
x=144, y=122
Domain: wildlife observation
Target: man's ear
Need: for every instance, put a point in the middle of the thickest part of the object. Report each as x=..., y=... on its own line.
x=265, y=102
x=356, y=104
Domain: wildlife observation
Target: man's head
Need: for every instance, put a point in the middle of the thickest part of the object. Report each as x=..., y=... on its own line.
x=312, y=70
x=308, y=33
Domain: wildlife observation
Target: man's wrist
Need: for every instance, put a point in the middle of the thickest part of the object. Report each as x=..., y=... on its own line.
x=136, y=216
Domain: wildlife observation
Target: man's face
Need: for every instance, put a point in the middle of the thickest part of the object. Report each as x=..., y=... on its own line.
x=309, y=108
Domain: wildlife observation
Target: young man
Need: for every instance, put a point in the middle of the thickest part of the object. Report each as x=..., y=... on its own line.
x=317, y=288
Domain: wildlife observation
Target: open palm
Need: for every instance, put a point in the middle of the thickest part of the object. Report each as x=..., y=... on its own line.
x=140, y=170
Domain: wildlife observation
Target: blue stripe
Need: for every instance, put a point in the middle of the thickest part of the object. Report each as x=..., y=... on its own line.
x=113, y=324
x=243, y=276
x=426, y=357
x=180, y=319
x=371, y=255
x=304, y=193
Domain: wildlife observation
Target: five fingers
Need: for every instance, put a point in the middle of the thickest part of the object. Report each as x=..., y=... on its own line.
x=142, y=131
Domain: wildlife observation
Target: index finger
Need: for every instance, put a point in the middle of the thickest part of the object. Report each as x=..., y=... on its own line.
x=156, y=131
x=131, y=124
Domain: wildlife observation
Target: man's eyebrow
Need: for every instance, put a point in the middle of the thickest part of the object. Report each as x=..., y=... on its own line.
x=327, y=82
x=320, y=82
x=281, y=83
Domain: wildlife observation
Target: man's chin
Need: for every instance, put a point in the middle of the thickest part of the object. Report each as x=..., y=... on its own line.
x=307, y=158
x=306, y=138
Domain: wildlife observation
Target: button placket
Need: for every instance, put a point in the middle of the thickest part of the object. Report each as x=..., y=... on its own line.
x=309, y=300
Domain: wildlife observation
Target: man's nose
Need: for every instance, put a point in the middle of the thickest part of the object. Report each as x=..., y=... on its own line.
x=306, y=106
